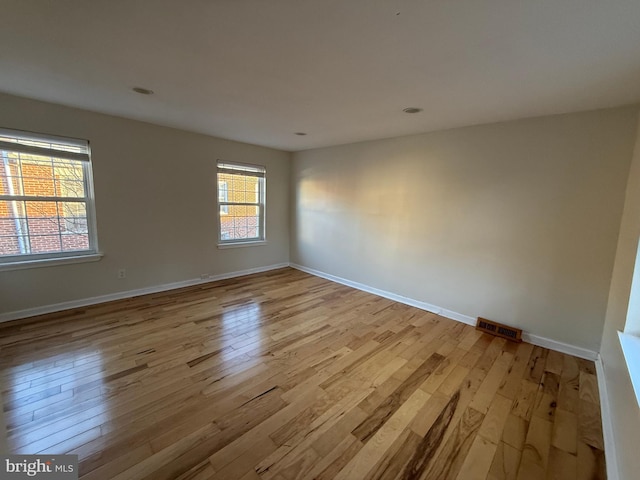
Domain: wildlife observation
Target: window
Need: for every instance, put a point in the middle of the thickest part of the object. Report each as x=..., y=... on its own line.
x=46, y=198
x=241, y=203
x=630, y=338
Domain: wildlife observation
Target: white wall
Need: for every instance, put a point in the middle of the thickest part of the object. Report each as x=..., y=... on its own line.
x=155, y=201
x=624, y=412
x=516, y=221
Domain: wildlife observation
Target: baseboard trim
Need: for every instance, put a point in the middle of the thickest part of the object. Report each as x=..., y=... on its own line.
x=528, y=337
x=561, y=347
x=383, y=293
x=460, y=317
x=31, y=312
x=611, y=458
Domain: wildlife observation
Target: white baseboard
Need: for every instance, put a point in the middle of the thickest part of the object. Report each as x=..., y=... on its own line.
x=560, y=346
x=460, y=317
x=611, y=458
x=31, y=312
x=531, y=338
x=391, y=296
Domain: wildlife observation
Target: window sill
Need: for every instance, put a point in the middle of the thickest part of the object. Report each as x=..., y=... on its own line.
x=50, y=262
x=631, y=349
x=257, y=243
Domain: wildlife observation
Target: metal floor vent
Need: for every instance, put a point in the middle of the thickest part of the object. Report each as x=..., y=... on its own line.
x=494, y=328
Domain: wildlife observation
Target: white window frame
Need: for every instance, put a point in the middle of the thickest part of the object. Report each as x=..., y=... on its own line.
x=223, y=196
x=630, y=344
x=630, y=337
x=246, y=169
x=62, y=148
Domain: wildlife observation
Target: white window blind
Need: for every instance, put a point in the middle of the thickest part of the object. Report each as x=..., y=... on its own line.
x=46, y=146
x=242, y=169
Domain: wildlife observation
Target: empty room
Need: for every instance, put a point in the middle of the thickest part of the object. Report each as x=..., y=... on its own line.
x=304, y=239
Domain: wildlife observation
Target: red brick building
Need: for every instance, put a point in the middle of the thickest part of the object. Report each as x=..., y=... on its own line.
x=51, y=220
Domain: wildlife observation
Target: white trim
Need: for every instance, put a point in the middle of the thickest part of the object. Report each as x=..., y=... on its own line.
x=561, y=347
x=460, y=317
x=382, y=293
x=611, y=458
x=50, y=262
x=253, y=243
x=30, y=312
x=631, y=350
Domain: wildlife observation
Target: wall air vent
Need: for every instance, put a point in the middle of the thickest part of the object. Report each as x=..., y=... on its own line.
x=499, y=330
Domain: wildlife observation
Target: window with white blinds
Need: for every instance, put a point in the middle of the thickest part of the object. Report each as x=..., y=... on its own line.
x=241, y=203
x=46, y=197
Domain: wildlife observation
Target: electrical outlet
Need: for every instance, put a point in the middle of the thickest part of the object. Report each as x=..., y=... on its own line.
x=122, y=273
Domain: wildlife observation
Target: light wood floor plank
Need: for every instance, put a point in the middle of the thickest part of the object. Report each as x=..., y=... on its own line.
x=282, y=375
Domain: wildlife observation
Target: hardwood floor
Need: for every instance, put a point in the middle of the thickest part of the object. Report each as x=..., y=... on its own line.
x=284, y=375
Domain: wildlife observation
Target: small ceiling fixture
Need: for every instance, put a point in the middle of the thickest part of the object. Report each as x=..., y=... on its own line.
x=142, y=91
x=301, y=134
x=412, y=110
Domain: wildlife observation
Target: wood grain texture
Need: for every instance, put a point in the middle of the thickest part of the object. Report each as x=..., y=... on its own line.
x=283, y=375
